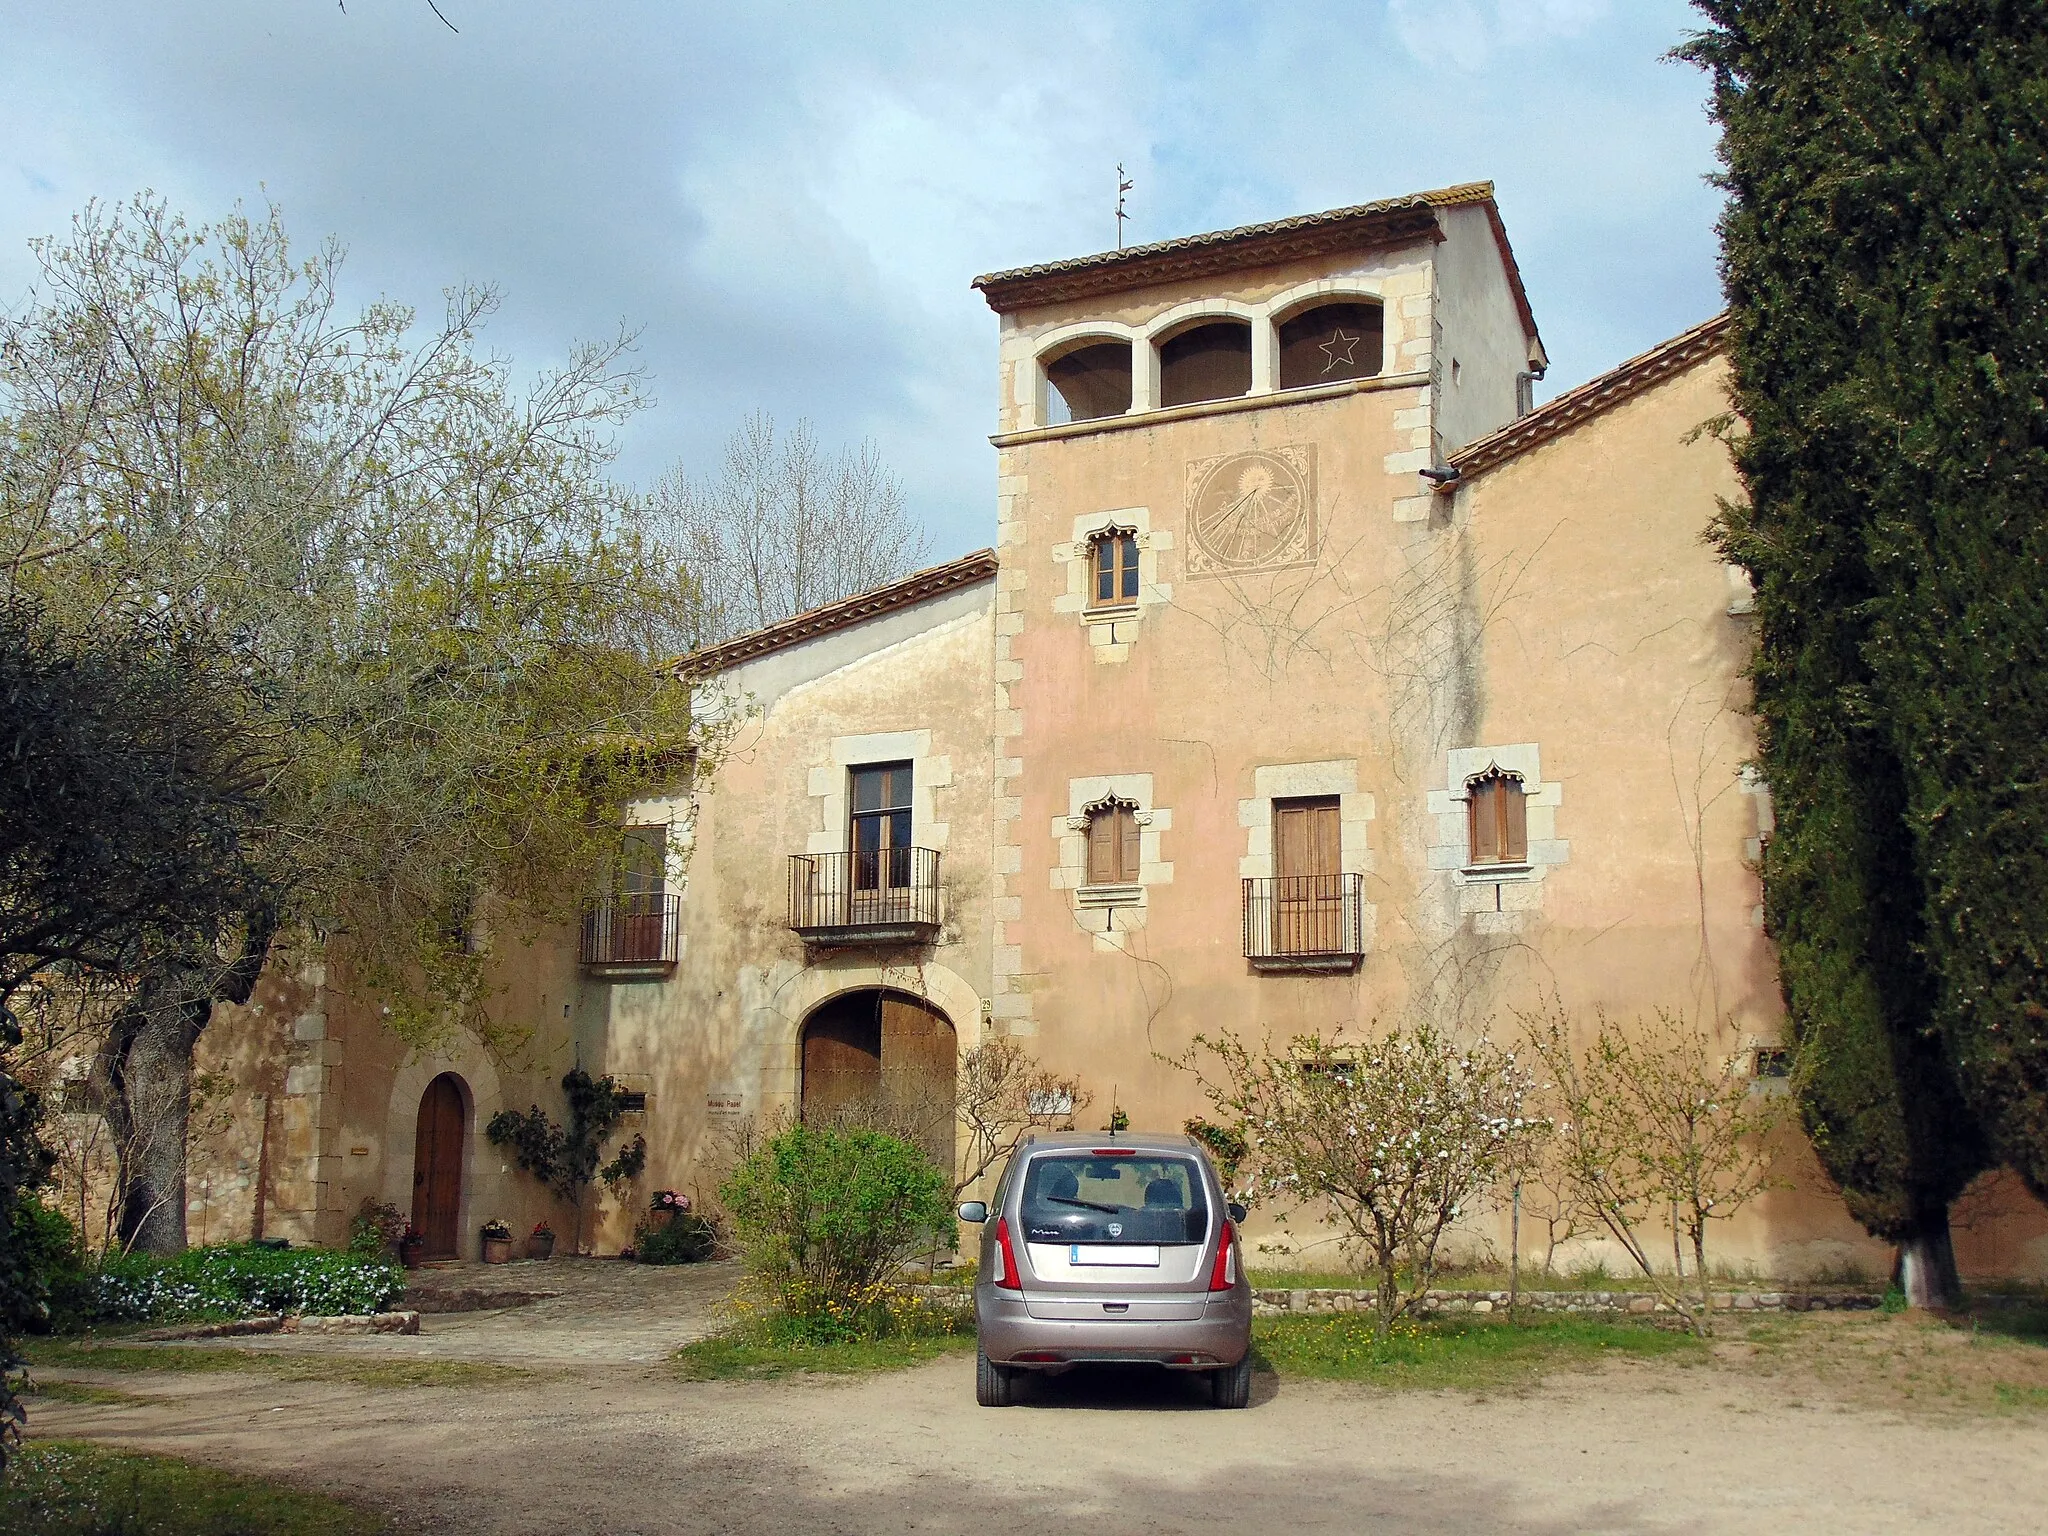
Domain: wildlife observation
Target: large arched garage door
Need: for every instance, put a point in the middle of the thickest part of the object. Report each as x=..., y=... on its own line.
x=884, y=1058
x=437, y=1165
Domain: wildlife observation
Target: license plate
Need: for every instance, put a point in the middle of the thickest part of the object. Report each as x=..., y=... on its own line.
x=1121, y=1256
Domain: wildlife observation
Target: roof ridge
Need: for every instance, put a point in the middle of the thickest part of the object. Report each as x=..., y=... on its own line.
x=1412, y=216
x=904, y=592
x=1600, y=393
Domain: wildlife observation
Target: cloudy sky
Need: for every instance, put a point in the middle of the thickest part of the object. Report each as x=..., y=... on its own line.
x=789, y=201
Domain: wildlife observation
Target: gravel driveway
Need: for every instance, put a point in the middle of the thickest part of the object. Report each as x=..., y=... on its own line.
x=602, y=1440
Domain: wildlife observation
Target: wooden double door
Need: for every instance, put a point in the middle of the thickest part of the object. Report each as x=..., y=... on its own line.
x=882, y=1058
x=1308, y=896
x=437, y=1166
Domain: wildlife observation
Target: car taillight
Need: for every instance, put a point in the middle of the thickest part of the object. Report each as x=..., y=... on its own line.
x=1008, y=1275
x=1224, y=1275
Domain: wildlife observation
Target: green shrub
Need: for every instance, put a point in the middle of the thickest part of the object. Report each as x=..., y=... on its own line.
x=826, y=1218
x=237, y=1280
x=376, y=1229
x=43, y=1255
x=686, y=1239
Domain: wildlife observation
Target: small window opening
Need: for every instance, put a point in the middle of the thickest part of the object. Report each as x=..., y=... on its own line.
x=1113, y=843
x=1497, y=816
x=1088, y=383
x=1330, y=343
x=643, y=866
x=1773, y=1061
x=632, y=1103
x=1210, y=362
x=1115, y=561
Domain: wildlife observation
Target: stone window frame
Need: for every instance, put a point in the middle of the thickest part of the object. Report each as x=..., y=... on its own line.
x=1356, y=812
x=1496, y=895
x=829, y=786
x=1111, y=628
x=1110, y=913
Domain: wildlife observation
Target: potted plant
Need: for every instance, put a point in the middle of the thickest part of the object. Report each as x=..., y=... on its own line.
x=540, y=1243
x=412, y=1243
x=497, y=1239
x=666, y=1206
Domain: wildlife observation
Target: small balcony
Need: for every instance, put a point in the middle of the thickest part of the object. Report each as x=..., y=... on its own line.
x=1312, y=923
x=886, y=896
x=633, y=936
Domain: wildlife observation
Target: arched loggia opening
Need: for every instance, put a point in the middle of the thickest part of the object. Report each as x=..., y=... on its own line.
x=881, y=1058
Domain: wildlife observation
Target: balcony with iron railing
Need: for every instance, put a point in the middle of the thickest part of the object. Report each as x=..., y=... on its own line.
x=638, y=934
x=882, y=896
x=1305, y=923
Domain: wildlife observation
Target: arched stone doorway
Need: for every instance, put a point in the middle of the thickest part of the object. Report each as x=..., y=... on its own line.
x=438, y=1142
x=876, y=1057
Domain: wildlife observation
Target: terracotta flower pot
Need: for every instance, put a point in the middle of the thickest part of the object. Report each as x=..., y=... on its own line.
x=540, y=1245
x=660, y=1217
x=497, y=1250
x=409, y=1252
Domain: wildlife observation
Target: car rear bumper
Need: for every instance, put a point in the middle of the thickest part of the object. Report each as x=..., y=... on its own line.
x=1011, y=1336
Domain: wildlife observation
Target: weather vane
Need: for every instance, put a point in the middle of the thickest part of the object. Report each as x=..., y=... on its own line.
x=1123, y=185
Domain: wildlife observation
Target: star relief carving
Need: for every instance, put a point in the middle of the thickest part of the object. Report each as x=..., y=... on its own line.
x=1339, y=349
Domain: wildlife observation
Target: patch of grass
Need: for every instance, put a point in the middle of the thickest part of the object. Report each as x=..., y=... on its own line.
x=757, y=1351
x=1595, y=1278
x=1456, y=1352
x=85, y=1392
x=62, y=1488
x=2027, y=1324
x=362, y=1370
x=2010, y=1396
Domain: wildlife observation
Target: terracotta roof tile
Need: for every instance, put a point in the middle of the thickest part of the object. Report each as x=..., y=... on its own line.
x=858, y=609
x=1600, y=393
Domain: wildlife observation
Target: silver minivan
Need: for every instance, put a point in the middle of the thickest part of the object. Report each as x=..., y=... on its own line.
x=1110, y=1248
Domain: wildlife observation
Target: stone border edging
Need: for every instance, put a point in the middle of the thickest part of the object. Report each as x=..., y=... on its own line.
x=1284, y=1303
x=372, y=1322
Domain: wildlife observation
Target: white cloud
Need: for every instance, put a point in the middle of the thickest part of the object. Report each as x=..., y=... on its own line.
x=792, y=199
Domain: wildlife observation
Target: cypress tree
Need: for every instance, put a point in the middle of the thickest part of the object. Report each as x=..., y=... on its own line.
x=1883, y=256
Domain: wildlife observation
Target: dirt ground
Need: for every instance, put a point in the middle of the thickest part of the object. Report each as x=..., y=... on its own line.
x=1818, y=1428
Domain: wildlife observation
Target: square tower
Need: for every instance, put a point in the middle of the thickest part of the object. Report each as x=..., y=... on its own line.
x=1211, y=514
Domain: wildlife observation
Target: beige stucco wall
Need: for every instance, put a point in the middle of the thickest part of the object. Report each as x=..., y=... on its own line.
x=718, y=1041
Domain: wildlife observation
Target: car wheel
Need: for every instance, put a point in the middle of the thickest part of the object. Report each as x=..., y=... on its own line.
x=995, y=1386
x=1232, y=1386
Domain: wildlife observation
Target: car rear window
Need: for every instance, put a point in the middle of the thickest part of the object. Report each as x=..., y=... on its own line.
x=1086, y=1197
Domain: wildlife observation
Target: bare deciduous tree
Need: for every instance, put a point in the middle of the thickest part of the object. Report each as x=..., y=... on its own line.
x=1654, y=1124
x=782, y=527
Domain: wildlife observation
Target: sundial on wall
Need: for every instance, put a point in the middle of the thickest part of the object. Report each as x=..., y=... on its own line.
x=1250, y=511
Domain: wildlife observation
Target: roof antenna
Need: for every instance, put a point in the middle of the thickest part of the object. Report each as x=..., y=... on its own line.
x=1123, y=185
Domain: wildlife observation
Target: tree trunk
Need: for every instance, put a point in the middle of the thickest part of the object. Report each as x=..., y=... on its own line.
x=148, y=1065
x=1925, y=1268
x=145, y=1071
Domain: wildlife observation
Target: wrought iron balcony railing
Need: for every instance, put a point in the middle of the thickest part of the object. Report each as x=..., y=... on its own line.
x=633, y=933
x=886, y=896
x=1305, y=922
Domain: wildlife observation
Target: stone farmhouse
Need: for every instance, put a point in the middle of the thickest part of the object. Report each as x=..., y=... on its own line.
x=1314, y=677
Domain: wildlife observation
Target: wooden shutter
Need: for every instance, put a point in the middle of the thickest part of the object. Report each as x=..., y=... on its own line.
x=1113, y=846
x=1127, y=845
x=1307, y=838
x=1483, y=816
x=1514, y=822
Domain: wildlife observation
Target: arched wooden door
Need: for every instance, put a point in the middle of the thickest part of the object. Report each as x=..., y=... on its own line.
x=881, y=1058
x=437, y=1167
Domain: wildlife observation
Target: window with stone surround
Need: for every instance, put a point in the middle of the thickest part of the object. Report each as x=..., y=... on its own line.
x=1496, y=819
x=1113, y=567
x=1113, y=843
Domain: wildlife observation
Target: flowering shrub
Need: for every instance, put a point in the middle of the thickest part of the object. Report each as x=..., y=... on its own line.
x=376, y=1229
x=1392, y=1139
x=234, y=1280
x=670, y=1200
